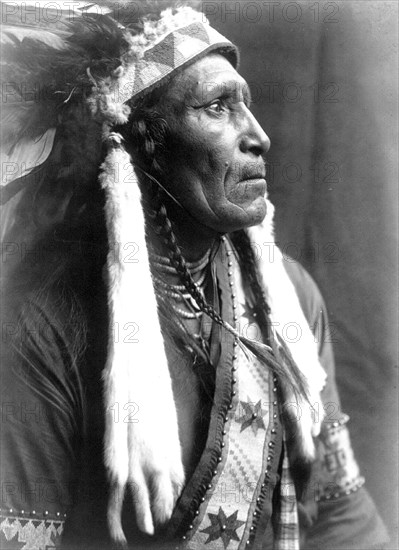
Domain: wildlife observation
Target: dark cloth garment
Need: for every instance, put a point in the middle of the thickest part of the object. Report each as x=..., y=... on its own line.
x=53, y=353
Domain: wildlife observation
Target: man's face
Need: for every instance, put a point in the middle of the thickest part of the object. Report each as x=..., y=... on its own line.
x=214, y=166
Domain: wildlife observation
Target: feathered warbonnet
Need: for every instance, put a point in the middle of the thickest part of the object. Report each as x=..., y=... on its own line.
x=103, y=63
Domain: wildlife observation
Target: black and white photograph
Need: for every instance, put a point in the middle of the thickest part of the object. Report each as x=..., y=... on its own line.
x=199, y=275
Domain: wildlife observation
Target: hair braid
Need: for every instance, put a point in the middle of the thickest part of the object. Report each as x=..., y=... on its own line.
x=165, y=230
x=242, y=244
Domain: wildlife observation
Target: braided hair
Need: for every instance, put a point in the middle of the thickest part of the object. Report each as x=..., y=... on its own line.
x=251, y=275
x=165, y=231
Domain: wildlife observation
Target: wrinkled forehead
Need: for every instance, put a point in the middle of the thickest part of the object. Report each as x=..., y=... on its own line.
x=209, y=77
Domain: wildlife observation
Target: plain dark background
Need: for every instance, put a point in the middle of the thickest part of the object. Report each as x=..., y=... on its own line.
x=324, y=80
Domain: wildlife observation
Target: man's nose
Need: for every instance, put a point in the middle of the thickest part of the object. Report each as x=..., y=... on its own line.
x=254, y=139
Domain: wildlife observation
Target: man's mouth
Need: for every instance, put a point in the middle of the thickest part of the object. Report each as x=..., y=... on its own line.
x=253, y=174
x=252, y=187
x=255, y=178
x=251, y=180
x=259, y=181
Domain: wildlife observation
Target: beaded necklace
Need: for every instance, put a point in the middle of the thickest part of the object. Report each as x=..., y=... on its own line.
x=176, y=295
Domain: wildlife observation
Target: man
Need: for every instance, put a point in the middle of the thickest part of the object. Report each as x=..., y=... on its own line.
x=150, y=397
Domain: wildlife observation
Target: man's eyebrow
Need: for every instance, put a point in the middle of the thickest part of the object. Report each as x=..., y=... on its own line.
x=239, y=90
x=213, y=89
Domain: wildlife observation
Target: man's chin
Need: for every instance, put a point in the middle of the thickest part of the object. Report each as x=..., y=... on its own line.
x=245, y=216
x=255, y=212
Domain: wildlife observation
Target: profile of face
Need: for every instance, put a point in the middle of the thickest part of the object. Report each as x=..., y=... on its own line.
x=214, y=165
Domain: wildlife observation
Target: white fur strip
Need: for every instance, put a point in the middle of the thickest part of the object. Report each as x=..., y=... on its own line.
x=141, y=440
x=286, y=312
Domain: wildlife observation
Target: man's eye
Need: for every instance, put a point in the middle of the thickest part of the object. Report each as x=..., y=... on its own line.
x=216, y=106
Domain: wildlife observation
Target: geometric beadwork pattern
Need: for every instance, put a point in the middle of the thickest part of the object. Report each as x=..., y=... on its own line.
x=170, y=53
x=30, y=534
x=340, y=471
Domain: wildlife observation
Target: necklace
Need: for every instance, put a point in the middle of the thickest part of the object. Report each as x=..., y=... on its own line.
x=177, y=291
x=165, y=264
x=177, y=296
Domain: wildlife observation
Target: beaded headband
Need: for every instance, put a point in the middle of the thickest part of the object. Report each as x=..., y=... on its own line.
x=156, y=55
x=172, y=53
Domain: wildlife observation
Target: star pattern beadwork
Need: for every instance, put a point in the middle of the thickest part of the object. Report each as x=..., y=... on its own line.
x=223, y=527
x=252, y=417
x=249, y=312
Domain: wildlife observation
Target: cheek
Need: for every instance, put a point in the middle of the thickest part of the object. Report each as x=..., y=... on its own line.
x=197, y=168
